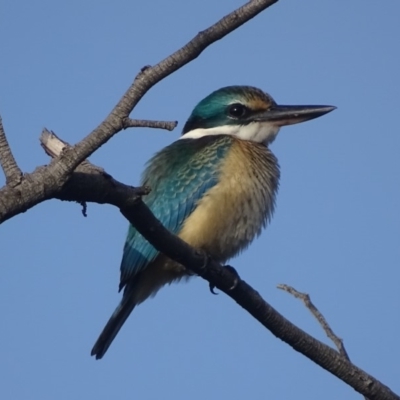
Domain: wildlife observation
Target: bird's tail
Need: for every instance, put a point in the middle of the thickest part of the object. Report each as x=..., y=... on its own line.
x=144, y=285
x=114, y=324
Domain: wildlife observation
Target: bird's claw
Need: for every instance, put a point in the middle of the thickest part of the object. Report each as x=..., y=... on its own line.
x=236, y=278
x=212, y=287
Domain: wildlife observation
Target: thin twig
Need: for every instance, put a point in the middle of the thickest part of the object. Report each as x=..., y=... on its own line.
x=11, y=170
x=305, y=298
x=143, y=123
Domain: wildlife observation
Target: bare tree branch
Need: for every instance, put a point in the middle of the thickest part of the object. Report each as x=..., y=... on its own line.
x=71, y=177
x=89, y=183
x=149, y=76
x=47, y=182
x=8, y=164
x=103, y=188
x=142, y=123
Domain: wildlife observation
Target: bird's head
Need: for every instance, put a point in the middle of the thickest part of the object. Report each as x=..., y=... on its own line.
x=247, y=113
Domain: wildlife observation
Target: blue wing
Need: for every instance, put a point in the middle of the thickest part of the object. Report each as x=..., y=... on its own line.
x=179, y=176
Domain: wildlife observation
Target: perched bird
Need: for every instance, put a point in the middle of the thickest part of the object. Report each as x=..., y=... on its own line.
x=215, y=188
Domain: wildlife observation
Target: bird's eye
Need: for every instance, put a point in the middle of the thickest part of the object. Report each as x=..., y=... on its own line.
x=237, y=110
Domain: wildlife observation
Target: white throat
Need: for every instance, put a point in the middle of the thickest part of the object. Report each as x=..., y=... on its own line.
x=260, y=132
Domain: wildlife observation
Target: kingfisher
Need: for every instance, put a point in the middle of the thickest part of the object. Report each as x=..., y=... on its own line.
x=215, y=188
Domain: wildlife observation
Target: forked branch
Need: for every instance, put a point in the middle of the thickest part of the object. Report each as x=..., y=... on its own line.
x=305, y=298
x=150, y=75
x=48, y=182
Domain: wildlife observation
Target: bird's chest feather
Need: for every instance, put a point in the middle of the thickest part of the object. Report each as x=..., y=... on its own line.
x=231, y=213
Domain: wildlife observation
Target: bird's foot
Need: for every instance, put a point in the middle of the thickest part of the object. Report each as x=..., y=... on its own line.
x=236, y=279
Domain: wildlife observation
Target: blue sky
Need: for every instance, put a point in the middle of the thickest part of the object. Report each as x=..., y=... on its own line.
x=335, y=233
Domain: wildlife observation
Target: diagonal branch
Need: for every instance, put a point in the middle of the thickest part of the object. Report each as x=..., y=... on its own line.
x=144, y=221
x=8, y=164
x=150, y=75
x=47, y=182
x=91, y=183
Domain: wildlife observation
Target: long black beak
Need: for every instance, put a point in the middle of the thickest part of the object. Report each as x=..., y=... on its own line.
x=288, y=115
